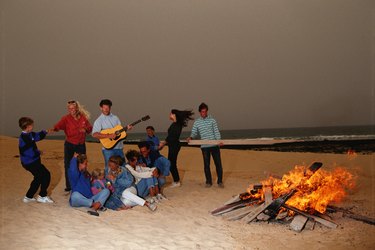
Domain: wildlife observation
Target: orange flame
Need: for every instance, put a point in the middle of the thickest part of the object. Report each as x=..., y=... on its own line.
x=314, y=191
x=351, y=154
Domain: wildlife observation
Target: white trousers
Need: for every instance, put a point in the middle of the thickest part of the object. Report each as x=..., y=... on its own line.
x=130, y=198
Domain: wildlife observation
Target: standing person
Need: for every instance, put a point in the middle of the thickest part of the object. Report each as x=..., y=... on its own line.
x=76, y=126
x=152, y=138
x=30, y=160
x=206, y=127
x=107, y=120
x=179, y=120
x=80, y=180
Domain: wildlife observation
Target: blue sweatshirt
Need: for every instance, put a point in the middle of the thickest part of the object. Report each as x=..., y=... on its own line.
x=29, y=152
x=78, y=180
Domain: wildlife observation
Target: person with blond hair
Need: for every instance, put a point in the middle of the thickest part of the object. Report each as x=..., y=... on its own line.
x=76, y=126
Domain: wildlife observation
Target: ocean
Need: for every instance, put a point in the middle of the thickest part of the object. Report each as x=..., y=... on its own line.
x=306, y=134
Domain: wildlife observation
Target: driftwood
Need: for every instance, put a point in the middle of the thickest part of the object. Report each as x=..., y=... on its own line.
x=322, y=221
x=348, y=213
x=298, y=223
x=241, y=142
x=240, y=213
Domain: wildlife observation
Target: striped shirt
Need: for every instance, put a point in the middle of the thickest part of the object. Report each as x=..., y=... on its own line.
x=207, y=129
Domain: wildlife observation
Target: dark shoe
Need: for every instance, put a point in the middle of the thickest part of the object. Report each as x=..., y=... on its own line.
x=67, y=189
x=93, y=212
x=220, y=185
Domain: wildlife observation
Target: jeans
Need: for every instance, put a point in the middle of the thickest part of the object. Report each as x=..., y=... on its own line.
x=78, y=200
x=130, y=198
x=215, y=152
x=69, y=150
x=107, y=153
x=42, y=178
x=173, y=151
x=145, y=184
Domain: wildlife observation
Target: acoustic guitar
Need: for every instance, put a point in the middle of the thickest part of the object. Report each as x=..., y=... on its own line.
x=120, y=133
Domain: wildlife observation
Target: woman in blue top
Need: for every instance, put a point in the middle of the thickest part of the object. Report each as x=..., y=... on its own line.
x=179, y=120
x=79, y=178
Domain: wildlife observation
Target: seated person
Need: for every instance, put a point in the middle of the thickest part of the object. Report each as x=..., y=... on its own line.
x=125, y=193
x=150, y=158
x=145, y=178
x=99, y=182
x=79, y=178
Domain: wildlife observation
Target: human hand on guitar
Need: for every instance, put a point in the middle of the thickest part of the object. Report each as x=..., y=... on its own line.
x=129, y=127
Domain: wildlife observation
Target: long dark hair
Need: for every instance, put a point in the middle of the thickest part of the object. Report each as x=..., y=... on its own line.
x=183, y=116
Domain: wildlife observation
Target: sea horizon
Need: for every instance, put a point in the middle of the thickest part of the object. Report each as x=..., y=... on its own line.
x=358, y=132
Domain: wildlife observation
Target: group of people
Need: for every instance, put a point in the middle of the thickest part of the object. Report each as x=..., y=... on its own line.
x=127, y=179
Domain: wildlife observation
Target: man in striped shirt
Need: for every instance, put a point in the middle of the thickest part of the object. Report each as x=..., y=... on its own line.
x=206, y=127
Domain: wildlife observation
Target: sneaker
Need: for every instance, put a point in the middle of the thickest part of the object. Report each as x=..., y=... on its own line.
x=27, y=199
x=151, y=200
x=161, y=197
x=175, y=184
x=220, y=185
x=152, y=207
x=44, y=199
x=208, y=185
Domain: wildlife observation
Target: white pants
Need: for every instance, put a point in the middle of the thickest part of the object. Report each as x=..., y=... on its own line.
x=130, y=198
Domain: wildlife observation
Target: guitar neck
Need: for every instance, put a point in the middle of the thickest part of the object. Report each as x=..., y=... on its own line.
x=126, y=127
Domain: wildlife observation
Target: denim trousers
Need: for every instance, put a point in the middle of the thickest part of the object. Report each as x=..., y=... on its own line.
x=215, y=152
x=78, y=200
x=144, y=185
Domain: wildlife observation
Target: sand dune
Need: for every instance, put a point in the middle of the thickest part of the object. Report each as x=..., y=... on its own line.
x=183, y=221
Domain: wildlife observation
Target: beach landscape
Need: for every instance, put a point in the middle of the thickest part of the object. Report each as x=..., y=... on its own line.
x=184, y=220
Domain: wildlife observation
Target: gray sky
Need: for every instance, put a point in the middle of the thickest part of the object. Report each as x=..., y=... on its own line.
x=257, y=64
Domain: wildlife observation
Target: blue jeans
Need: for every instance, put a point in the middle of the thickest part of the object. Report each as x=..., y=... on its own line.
x=145, y=184
x=78, y=200
x=215, y=152
x=107, y=153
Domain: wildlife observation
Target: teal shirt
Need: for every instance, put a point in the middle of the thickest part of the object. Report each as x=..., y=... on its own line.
x=207, y=129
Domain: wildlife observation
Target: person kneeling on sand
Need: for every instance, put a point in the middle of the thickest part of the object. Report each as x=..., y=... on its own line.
x=125, y=193
x=80, y=181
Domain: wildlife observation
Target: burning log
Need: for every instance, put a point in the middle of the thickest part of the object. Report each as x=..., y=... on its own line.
x=297, y=198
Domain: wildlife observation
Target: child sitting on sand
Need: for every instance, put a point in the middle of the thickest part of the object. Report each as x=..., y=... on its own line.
x=99, y=182
x=30, y=160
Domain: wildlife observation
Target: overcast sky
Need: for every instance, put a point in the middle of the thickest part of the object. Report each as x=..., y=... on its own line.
x=257, y=64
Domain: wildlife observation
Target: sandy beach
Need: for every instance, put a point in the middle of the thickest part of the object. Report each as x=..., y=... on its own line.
x=184, y=220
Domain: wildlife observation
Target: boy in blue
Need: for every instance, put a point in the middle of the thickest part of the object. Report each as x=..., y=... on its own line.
x=30, y=160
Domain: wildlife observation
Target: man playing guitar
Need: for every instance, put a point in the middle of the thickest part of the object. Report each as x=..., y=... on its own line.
x=105, y=121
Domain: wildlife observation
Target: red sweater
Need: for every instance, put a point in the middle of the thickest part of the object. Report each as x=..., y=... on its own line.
x=75, y=130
